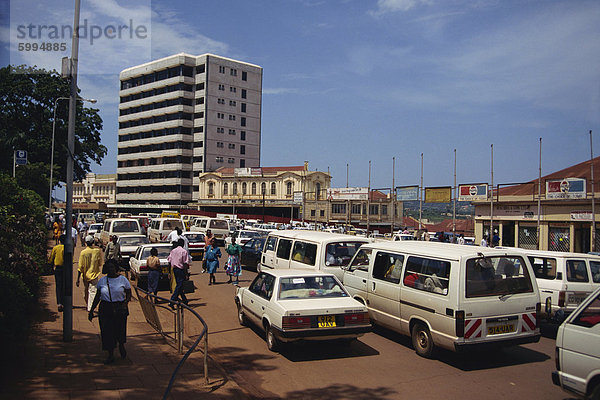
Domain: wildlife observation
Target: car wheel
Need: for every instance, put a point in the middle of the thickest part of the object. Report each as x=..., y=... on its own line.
x=421, y=340
x=595, y=394
x=241, y=316
x=272, y=342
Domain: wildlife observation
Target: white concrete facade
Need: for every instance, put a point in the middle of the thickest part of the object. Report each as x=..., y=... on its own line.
x=96, y=188
x=181, y=116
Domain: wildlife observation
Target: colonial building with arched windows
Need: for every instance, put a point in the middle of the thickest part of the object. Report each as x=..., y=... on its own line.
x=285, y=192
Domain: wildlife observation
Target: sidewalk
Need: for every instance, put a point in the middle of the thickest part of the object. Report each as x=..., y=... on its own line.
x=53, y=369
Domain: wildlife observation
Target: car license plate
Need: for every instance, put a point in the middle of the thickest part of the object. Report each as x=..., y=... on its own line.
x=576, y=299
x=501, y=328
x=326, y=321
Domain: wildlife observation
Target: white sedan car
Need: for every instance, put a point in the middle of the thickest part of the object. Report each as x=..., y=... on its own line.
x=291, y=305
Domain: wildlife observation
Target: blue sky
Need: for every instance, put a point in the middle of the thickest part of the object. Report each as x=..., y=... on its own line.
x=349, y=81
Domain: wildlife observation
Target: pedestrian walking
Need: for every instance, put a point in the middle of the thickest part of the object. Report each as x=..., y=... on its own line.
x=82, y=227
x=113, y=250
x=180, y=262
x=484, y=242
x=90, y=267
x=234, y=268
x=212, y=254
x=113, y=295
x=153, y=264
x=57, y=227
x=56, y=261
x=208, y=240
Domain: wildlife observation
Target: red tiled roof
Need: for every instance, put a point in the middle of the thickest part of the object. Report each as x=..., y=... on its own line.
x=581, y=170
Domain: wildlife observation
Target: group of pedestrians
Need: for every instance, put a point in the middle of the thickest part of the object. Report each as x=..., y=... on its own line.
x=212, y=253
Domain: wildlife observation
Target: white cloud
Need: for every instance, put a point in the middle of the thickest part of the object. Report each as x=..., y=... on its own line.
x=388, y=6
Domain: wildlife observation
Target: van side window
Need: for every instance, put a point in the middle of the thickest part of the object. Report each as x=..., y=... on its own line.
x=388, y=267
x=361, y=260
x=106, y=226
x=543, y=267
x=577, y=271
x=595, y=267
x=270, y=244
x=590, y=315
x=427, y=274
x=305, y=253
x=284, y=248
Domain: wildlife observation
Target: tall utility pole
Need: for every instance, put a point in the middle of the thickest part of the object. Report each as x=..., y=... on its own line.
x=539, y=204
x=593, y=246
x=369, y=200
x=421, y=199
x=492, y=201
x=69, y=245
x=393, y=194
x=454, y=211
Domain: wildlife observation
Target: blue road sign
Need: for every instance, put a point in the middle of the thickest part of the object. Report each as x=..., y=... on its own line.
x=21, y=157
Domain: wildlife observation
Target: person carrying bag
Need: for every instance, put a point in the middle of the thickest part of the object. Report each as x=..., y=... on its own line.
x=113, y=295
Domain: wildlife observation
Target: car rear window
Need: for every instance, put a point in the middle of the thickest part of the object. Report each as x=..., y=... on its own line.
x=195, y=237
x=133, y=241
x=497, y=276
x=310, y=287
x=125, y=226
x=163, y=252
x=171, y=224
x=218, y=224
x=339, y=254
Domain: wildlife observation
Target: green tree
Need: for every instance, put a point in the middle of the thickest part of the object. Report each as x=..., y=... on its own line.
x=26, y=109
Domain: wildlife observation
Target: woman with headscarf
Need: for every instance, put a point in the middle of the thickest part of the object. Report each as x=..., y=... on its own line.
x=113, y=294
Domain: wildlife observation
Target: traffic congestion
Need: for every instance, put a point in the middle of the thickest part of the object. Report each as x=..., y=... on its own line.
x=312, y=284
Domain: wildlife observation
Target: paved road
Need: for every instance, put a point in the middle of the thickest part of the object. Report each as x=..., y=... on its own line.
x=380, y=365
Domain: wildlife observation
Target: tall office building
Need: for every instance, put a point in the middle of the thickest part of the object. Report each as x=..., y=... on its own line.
x=181, y=116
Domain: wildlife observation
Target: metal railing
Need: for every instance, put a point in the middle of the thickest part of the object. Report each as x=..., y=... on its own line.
x=149, y=308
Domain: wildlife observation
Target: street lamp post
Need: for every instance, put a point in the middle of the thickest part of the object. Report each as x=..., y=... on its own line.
x=52, y=152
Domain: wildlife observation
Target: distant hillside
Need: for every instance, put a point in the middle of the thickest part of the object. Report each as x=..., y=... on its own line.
x=437, y=212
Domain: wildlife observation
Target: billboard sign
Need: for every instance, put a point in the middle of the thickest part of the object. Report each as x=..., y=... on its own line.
x=438, y=194
x=356, y=193
x=473, y=192
x=407, y=193
x=247, y=171
x=568, y=188
x=298, y=197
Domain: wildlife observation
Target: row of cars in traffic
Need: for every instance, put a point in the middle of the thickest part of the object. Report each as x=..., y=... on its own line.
x=315, y=285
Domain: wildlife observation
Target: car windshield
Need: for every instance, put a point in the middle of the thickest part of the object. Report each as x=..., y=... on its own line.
x=248, y=234
x=310, y=287
x=163, y=252
x=133, y=241
x=497, y=276
x=195, y=237
x=95, y=227
x=125, y=226
x=339, y=254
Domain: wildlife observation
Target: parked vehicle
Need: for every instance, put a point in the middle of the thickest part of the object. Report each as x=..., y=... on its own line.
x=94, y=231
x=564, y=279
x=138, y=268
x=578, y=350
x=292, y=305
x=196, y=244
x=446, y=295
x=321, y=251
x=161, y=227
x=403, y=236
x=218, y=226
x=129, y=245
x=251, y=252
x=119, y=227
x=188, y=219
x=244, y=235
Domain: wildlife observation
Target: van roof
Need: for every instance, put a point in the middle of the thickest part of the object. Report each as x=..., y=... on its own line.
x=444, y=250
x=555, y=254
x=317, y=235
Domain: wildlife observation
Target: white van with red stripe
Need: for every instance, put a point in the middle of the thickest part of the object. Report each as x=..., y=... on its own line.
x=447, y=295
